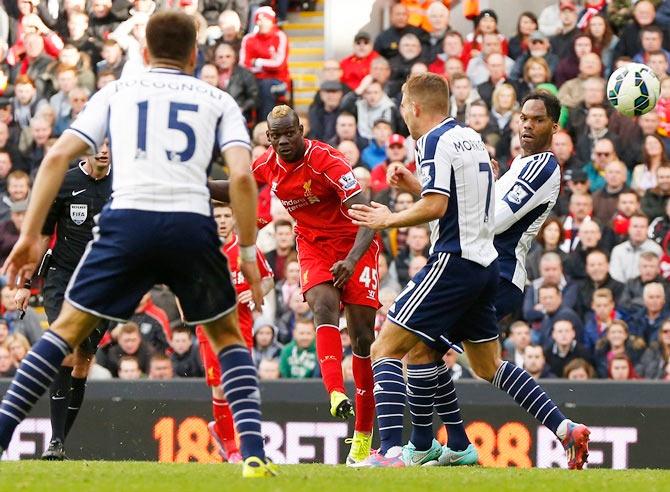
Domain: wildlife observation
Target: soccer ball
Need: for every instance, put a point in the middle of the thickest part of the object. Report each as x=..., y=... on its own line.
x=633, y=89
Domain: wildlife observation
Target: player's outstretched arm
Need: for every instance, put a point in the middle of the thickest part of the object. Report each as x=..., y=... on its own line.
x=377, y=216
x=27, y=252
x=243, y=198
x=219, y=190
x=344, y=269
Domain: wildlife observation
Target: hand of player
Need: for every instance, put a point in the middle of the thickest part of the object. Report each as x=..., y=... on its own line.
x=245, y=297
x=398, y=176
x=22, y=261
x=342, y=272
x=252, y=275
x=496, y=168
x=21, y=298
x=375, y=216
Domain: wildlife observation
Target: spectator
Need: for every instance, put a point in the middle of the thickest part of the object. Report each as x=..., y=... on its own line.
x=536, y=72
x=112, y=58
x=630, y=43
x=590, y=238
x=603, y=38
x=357, y=66
x=351, y=153
x=372, y=106
x=298, y=358
x=538, y=47
x=595, y=129
x=535, y=363
x=604, y=313
x=654, y=156
x=79, y=37
x=551, y=273
x=525, y=27
x=417, y=244
x=129, y=343
x=659, y=64
x=503, y=106
x=375, y=153
x=548, y=239
x=570, y=67
x=103, y=20
x=268, y=370
x=34, y=150
x=236, y=80
x=658, y=229
x=462, y=97
x=551, y=304
x=210, y=74
x=571, y=91
x=18, y=346
x=650, y=271
x=66, y=78
x=5, y=168
x=479, y=119
x=286, y=287
x=563, y=148
x=626, y=256
x=578, y=370
x=265, y=53
x=185, y=358
x=603, y=153
x=345, y=130
x=34, y=61
x=77, y=99
x=456, y=371
x=323, y=117
x=26, y=101
x=562, y=41
x=409, y=53
x=298, y=309
x=655, y=359
x=452, y=49
x=129, y=368
x=646, y=323
x=154, y=324
x=627, y=204
x=386, y=43
x=605, y=200
x=28, y=326
x=10, y=230
x=597, y=277
x=495, y=64
x=285, y=245
x=620, y=368
x=396, y=153
x=486, y=23
x=564, y=347
x=266, y=346
x=71, y=56
x=438, y=18
x=651, y=39
x=477, y=70
x=594, y=95
x=617, y=342
x=7, y=369
x=160, y=367
x=18, y=190
x=654, y=199
x=517, y=342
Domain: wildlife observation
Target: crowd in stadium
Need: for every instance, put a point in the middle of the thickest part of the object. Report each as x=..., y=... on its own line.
x=596, y=305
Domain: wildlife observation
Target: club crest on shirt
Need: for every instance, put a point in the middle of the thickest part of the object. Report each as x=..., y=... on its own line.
x=517, y=194
x=311, y=197
x=348, y=181
x=78, y=213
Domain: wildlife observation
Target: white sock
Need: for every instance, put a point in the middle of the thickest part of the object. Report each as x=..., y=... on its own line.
x=562, y=429
x=394, y=452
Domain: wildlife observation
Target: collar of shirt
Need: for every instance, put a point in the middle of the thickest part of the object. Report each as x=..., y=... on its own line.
x=83, y=170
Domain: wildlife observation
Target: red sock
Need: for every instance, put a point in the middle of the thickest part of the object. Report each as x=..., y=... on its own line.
x=225, y=427
x=329, y=350
x=365, y=398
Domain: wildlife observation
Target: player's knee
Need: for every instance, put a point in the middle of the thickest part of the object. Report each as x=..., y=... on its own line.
x=422, y=354
x=485, y=369
x=326, y=313
x=361, y=341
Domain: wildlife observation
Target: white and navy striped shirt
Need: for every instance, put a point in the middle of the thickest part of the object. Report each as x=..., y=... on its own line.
x=525, y=196
x=453, y=161
x=163, y=126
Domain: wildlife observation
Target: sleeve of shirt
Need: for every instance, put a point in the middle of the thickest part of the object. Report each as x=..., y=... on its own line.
x=263, y=266
x=231, y=129
x=338, y=173
x=52, y=217
x=532, y=188
x=435, y=167
x=92, y=123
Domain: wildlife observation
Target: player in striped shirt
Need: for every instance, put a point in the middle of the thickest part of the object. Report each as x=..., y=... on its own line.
x=523, y=201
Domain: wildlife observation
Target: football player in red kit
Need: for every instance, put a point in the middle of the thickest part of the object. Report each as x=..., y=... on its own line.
x=222, y=428
x=338, y=260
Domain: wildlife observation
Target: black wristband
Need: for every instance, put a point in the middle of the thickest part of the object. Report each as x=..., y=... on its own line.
x=27, y=284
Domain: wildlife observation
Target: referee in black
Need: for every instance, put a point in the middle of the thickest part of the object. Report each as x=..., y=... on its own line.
x=84, y=192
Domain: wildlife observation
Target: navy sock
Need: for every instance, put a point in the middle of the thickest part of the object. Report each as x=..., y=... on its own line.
x=32, y=379
x=521, y=386
x=76, y=398
x=240, y=385
x=421, y=386
x=389, y=393
x=59, y=400
x=446, y=404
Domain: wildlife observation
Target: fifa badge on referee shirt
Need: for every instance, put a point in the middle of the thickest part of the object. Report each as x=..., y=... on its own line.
x=78, y=213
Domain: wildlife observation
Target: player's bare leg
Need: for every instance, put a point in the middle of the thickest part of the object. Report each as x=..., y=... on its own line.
x=360, y=324
x=387, y=351
x=222, y=428
x=239, y=382
x=485, y=361
x=324, y=301
x=458, y=450
x=40, y=366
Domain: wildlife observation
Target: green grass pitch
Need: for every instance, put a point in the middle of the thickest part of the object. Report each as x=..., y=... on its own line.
x=98, y=476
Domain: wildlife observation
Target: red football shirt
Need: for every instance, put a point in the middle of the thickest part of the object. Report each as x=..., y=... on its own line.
x=312, y=190
x=232, y=252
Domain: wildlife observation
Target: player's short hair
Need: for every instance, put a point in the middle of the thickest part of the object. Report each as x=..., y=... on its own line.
x=171, y=35
x=551, y=103
x=429, y=89
x=129, y=328
x=579, y=363
x=283, y=223
x=603, y=294
x=282, y=111
x=649, y=255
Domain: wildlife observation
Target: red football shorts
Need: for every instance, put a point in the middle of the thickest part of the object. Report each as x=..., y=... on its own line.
x=317, y=258
x=210, y=361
